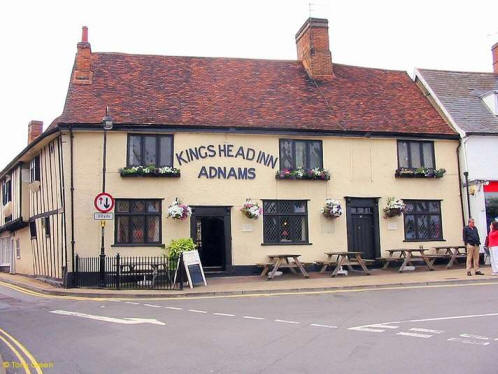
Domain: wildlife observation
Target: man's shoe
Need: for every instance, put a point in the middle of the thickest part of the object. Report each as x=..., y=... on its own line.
x=469, y=273
x=479, y=273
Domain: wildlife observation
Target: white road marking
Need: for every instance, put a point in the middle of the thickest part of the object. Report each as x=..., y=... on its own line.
x=327, y=326
x=474, y=336
x=131, y=302
x=250, y=317
x=425, y=336
x=173, y=308
x=125, y=321
x=364, y=328
x=224, y=314
x=454, y=317
x=152, y=305
x=466, y=341
x=284, y=321
x=427, y=330
x=382, y=326
x=197, y=311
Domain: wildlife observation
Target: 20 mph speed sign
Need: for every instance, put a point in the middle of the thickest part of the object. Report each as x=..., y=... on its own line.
x=104, y=202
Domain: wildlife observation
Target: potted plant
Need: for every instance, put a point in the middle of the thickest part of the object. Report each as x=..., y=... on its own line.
x=251, y=209
x=394, y=207
x=179, y=211
x=332, y=208
x=176, y=247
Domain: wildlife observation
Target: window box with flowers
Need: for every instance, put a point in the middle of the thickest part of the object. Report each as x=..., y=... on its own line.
x=394, y=207
x=332, y=208
x=419, y=173
x=303, y=174
x=150, y=171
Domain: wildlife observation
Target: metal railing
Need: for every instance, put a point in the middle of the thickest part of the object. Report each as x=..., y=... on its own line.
x=130, y=272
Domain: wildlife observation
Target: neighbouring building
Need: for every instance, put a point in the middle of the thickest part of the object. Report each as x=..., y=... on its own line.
x=214, y=132
x=469, y=103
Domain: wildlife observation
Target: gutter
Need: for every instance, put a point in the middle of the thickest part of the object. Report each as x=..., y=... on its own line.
x=71, y=136
x=460, y=185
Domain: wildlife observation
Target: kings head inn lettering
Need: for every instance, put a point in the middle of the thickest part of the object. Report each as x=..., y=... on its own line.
x=226, y=151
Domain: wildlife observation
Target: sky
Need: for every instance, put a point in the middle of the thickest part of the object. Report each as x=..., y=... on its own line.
x=38, y=40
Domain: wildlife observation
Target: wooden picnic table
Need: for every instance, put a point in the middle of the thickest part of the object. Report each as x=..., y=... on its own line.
x=285, y=260
x=453, y=252
x=344, y=258
x=406, y=255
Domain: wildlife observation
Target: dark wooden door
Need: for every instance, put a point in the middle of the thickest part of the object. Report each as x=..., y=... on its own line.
x=211, y=232
x=363, y=226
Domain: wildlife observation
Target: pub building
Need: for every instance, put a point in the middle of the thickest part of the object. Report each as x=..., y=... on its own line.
x=215, y=132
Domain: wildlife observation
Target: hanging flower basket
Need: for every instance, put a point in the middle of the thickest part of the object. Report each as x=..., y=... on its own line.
x=179, y=211
x=332, y=208
x=251, y=209
x=394, y=207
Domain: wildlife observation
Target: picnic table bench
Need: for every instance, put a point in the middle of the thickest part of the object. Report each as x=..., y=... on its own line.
x=283, y=261
x=407, y=258
x=451, y=252
x=344, y=258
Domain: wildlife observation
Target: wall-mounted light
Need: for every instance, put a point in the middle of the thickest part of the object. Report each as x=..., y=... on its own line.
x=107, y=120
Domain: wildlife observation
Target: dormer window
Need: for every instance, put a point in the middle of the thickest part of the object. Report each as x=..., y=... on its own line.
x=491, y=101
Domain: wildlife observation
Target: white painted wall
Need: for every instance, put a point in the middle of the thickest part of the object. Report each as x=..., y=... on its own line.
x=482, y=157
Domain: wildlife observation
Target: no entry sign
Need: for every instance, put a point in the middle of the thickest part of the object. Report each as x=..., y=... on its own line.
x=104, y=202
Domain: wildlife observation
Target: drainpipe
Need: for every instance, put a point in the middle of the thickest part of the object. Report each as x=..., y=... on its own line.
x=71, y=136
x=466, y=174
x=460, y=182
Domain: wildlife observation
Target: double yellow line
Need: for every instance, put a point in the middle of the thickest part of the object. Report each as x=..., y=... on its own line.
x=38, y=294
x=18, y=349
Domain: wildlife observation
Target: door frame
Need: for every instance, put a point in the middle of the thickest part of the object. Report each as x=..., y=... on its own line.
x=223, y=211
x=366, y=202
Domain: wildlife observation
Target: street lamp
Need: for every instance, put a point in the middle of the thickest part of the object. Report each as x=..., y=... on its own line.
x=107, y=125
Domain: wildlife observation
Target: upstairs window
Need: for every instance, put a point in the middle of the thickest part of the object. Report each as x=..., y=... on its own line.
x=300, y=154
x=6, y=192
x=32, y=229
x=415, y=154
x=147, y=150
x=34, y=169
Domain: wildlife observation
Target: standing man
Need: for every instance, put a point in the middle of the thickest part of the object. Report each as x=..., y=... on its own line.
x=471, y=240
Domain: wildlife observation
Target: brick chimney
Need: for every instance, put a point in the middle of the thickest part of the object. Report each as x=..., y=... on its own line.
x=312, y=41
x=494, y=50
x=35, y=128
x=82, y=73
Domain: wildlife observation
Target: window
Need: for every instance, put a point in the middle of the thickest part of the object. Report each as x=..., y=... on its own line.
x=285, y=221
x=146, y=150
x=6, y=192
x=46, y=221
x=32, y=229
x=415, y=154
x=300, y=154
x=423, y=220
x=34, y=169
x=137, y=222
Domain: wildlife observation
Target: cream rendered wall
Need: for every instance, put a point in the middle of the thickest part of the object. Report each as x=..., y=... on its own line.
x=360, y=167
x=24, y=264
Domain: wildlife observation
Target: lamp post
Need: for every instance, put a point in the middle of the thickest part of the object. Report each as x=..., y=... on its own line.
x=107, y=125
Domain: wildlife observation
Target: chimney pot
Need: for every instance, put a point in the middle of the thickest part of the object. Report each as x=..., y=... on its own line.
x=35, y=129
x=84, y=34
x=494, y=50
x=312, y=42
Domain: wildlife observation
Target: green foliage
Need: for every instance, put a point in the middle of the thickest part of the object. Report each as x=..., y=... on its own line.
x=178, y=246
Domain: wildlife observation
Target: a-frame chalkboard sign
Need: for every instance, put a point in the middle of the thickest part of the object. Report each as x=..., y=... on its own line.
x=193, y=268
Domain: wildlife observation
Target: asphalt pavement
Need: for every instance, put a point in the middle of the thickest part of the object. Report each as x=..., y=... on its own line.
x=426, y=329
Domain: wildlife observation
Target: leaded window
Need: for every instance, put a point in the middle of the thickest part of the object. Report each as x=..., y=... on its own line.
x=34, y=169
x=138, y=221
x=423, y=220
x=415, y=154
x=147, y=150
x=285, y=221
x=300, y=154
x=6, y=191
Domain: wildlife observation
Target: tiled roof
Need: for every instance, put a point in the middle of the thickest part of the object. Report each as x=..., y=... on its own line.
x=460, y=94
x=230, y=92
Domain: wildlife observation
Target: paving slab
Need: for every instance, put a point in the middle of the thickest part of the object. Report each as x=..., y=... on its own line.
x=287, y=283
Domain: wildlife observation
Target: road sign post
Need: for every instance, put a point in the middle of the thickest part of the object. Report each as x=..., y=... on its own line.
x=104, y=203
